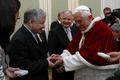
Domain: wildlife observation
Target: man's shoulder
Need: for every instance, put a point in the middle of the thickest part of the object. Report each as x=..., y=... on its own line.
x=21, y=33
x=55, y=23
x=100, y=28
x=101, y=25
x=57, y=28
x=18, y=32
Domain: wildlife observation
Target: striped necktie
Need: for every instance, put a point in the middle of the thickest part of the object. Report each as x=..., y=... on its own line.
x=68, y=32
x=37, y=38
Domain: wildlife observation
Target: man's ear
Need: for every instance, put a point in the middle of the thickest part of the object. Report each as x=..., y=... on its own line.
x=30, y=22
x=17, y=16
x=90, y=17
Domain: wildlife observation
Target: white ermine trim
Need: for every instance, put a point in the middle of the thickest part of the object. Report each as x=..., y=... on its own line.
x=91, y=24
x=81, y=41
x=112, y=66
x=72, y=63
x=65, y=53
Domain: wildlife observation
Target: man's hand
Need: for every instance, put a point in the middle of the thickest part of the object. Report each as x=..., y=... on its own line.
x=59, y=60
x=50, y=62
x=55, y=60
x=54, y=57
x=60, y=69
x=10, y=72
x=114, y=56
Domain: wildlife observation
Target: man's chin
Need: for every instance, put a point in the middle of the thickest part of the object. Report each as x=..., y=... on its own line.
x=41, y=31
x=66, y=26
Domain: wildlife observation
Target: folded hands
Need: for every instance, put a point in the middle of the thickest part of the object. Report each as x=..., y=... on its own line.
x=56, y=61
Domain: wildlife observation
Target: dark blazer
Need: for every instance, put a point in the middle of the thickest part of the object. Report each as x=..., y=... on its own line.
x=54, y=24
x=25, y=53
x=57, y=42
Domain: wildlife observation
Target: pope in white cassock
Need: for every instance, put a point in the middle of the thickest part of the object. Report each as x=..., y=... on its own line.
x=93, y=36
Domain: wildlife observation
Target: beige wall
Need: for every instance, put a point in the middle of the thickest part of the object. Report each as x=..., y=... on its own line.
x=25, y=5
x=95, y=5
x=57, y=6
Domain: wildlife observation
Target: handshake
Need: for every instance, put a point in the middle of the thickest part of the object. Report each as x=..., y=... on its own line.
x=56, y=61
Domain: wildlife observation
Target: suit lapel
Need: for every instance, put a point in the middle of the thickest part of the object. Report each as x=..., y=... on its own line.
x=31, y=38
x=63, y=34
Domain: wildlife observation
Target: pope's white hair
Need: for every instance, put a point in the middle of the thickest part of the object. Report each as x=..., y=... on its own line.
x=84, y=10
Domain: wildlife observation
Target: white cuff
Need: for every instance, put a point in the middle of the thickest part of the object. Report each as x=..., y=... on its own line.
x=72, y=63
x=65, y=53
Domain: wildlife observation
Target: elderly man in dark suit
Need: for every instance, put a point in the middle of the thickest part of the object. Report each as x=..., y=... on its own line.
x=26, y=51
x=58, y=40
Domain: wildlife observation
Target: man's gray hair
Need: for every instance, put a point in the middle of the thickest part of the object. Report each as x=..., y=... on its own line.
x=84, y=10
x=33, y=14
x=67, y=11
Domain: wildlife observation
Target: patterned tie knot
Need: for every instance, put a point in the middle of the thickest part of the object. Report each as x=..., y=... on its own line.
x=37, y=38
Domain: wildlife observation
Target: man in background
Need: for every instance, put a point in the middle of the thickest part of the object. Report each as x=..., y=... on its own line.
x=58, y=40
x=108, y=18
x=107, y=11
x=57, y=22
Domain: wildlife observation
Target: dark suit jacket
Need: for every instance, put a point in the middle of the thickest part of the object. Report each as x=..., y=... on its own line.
x=25, y=53
x=54, y=24
x=57, y=42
